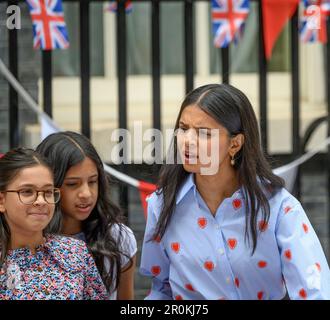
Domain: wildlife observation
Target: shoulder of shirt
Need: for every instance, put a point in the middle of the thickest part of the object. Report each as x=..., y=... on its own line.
x=125, y=237
x=155, y=202
x=282, y=199
x=70, y=253
x=120, y=226
x=126, y=232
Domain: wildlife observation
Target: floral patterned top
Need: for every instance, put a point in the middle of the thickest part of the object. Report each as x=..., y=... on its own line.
x=61, y=269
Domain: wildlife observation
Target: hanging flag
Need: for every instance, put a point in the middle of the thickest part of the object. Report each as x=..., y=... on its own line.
x=113, y=6
x=49, y=29
x=313, y=22
x=275, y=14
x=146, y=189
x=228, y=17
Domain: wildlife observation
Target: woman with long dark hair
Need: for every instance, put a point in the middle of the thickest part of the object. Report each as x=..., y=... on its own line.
x=35, y=263
x=88, y=211
x=226, y=228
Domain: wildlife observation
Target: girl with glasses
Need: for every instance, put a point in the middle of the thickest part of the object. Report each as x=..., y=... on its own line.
x=88, y=211
x=34, y=262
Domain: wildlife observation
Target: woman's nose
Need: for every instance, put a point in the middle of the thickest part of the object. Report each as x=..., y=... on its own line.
x=190, y=138
x=40, y=200
x=85, y=192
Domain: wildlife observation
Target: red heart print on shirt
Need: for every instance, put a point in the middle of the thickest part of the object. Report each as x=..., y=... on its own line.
x=303, y=294
x=287, y=209
x=202, y=222
x=237, y=282
x=178, y=297
x=305, y=227
x=262, y=225
x=260, y=295
x=232, y=243
x=237, y=203
x=155, y=270
x=288, y=254
x=208, y=265
x=318, y=266
x=189, y=287
x=262, y=264
x=175, y=246
x=157, y=238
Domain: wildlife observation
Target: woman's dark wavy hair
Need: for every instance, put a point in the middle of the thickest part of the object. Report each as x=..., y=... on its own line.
x=231, y=109
x=62, y=151
x=11, y=163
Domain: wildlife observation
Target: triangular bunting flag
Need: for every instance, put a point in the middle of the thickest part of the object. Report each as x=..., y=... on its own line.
x=275, y=14
x=228, y=17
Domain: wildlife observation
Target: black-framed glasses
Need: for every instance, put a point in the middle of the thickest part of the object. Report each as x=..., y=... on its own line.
x=30, y=195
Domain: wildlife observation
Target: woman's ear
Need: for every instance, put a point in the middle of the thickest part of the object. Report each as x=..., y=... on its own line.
x=236, y=144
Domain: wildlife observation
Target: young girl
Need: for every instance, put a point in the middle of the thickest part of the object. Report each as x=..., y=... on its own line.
x=235, y=233
x=88, y=212
x=34, y=263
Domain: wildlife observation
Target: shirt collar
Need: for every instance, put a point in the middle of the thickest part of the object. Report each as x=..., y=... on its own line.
x=185, y=187
x=189, y=183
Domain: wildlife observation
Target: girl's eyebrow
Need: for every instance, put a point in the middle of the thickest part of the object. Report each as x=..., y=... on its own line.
x=182, y=123
x=34, y=186
x=76, y=178
x=206, y=128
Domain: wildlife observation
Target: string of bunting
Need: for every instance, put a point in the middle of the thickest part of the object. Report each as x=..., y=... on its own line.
x=228, y=21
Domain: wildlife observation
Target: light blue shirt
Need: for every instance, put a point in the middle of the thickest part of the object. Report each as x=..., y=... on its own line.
x=202, y=256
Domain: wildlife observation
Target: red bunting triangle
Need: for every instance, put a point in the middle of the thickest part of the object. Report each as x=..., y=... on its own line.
x=145, y=189
x=275, y=14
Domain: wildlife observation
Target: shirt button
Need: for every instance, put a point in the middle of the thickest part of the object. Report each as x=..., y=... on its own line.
x=47, y=292
x=39, y=268
x=217, y=226
x=228, y=280
x=221, y=251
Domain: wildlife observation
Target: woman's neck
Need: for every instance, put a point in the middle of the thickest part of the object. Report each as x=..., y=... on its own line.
x=71, y=226
x=23, y=240
x=215, y=188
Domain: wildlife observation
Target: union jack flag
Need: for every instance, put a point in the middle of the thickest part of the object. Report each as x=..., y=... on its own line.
x=49, y=28
x=113, y=6
x=228, y=17
x=313, y=27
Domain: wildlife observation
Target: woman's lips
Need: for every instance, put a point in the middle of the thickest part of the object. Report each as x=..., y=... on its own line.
x=84, y=208
x=39, y=214
x=190, y=158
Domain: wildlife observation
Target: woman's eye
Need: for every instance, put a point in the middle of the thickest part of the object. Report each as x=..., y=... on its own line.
x=49, y=193
x=204, y=133
x=27, y=192
x=70, y=184
x=93, y=182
